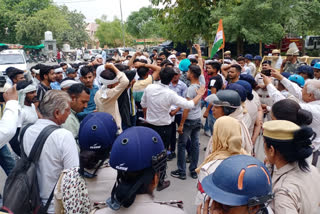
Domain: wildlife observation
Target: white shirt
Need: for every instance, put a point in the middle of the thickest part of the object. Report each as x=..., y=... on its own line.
x=59, y=152
x=158, y=99
x=313, y=107
x=9, y=122
x=252, y=107
x=28, y=114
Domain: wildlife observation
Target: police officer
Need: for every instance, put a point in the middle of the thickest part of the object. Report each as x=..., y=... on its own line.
x=93, y=181
x=295, y=182
x=140, y=158
x=240, y=184
x=291, y=63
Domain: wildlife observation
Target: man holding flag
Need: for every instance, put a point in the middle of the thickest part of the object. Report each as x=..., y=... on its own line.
x=219, y=40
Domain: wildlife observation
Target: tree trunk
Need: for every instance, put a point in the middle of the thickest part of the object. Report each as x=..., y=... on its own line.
x=260, y=48
x=303, y=47
x=239, y=45
x=189, y=43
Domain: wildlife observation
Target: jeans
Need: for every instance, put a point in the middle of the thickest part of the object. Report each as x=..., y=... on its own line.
x=210, y=120
x=176, y=123
x=7, y=162
x=191, y=129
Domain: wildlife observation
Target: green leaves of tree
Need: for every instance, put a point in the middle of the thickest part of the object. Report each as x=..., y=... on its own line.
x=25, y=21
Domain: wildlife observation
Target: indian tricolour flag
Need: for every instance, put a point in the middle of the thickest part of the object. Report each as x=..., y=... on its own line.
x=219, y=40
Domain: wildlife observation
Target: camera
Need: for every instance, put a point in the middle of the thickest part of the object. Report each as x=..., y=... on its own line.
x=2, y=83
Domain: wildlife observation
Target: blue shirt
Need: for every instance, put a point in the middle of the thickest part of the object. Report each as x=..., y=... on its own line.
x=91, y=104
x=180, y=89
x=55, y=86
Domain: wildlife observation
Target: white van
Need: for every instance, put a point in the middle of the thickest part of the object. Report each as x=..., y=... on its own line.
x=12, y=58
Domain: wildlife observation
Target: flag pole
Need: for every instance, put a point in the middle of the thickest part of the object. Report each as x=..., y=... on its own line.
x=222, y=55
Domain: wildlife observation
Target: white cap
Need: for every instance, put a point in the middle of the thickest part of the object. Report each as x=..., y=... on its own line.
x=67, y=83
x=99, y=56
x=58, y=70
x=143, y=57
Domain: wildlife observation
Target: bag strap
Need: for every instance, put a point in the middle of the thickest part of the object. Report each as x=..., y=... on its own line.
x=41, y=139
x=22, y=132
x=35, y=155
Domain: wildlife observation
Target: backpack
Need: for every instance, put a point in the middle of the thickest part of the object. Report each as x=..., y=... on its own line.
x=21, y=193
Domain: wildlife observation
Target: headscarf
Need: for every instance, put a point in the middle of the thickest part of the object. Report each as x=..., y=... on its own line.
x=22, y=93
x=226, y=140
x=244, y=121
x=105, y=83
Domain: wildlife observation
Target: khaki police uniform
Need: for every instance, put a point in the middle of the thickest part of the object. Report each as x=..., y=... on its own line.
x=296, y=192
x=100, y=187
x=143, y=203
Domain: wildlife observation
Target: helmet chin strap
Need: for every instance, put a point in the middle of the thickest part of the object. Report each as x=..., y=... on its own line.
x=86, y=174
x=114, y=203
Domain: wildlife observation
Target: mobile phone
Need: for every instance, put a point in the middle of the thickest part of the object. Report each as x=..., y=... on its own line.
x=266, y=72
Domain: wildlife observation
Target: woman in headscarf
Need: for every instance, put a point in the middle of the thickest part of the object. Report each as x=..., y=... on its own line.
x=226, y=141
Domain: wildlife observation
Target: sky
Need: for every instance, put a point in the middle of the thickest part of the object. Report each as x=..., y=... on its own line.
x=93, y=9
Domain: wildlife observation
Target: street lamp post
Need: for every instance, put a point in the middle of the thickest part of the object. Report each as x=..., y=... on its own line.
x=122, y=25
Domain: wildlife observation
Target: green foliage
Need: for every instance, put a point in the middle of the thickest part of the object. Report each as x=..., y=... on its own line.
x=77, y=35
x=244, y=20
x=25, y=21
x=144, y=24
x=110, y=33
x=31, y=30
x=186, y=20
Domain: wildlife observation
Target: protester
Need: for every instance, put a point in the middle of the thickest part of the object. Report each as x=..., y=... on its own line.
x=181, y=89
x=144, y=80
x=114, y=83
x=190, y=127
x=59, y=77
x=47, y=76
x=87, y=78
x=80, y=96
x=15, y=75
x=28, y=113
x=60, y=150
x=295, y=182
x=8, y=124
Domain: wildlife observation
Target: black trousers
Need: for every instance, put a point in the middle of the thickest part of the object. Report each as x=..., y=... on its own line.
x=164, y=132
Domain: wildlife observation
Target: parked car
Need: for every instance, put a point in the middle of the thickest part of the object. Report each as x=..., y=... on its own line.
x=12, y=58
x=91, y=54
x=120, y=51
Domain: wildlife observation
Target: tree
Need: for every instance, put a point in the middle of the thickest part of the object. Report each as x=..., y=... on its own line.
x=144, y=24
x=110, y=33
x=77, y=35
x=251, y=21
x=12, y=11
x=186, y=20
x=31, y=30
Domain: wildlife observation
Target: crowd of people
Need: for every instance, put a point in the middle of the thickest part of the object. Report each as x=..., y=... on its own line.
x=117, y=121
